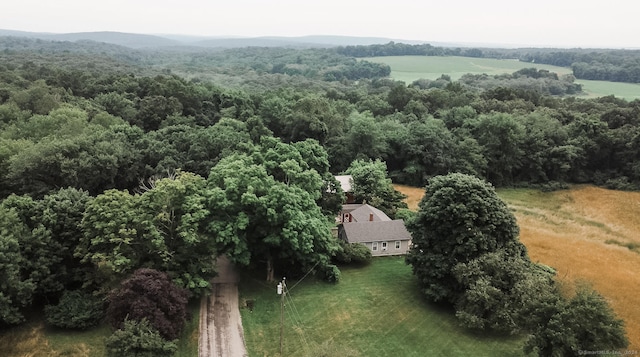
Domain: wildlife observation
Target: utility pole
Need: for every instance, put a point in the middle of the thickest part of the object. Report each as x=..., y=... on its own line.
x=282, y=290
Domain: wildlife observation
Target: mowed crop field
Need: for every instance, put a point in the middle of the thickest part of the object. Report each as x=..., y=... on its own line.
x=411, y=68
x=588, y=234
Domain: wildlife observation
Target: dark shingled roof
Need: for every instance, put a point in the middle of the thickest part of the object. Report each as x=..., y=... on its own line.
x=362, y=212
x=361, y=232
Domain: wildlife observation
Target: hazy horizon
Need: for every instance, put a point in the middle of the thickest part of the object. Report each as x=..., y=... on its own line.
x=544, y=23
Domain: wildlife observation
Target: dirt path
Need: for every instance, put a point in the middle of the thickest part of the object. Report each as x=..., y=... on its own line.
x=221, y=333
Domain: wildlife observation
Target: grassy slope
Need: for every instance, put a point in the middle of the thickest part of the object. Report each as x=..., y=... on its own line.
x=374, y=311
x=411, y=68
x=573, y=230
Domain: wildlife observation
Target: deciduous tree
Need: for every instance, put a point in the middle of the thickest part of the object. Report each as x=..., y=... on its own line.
x=151, y=295
x=372, y=185
x=263, y=208
x=176, y=207
x=16, y=287
x=460, y=219
x=582, y=323
x=504, y=293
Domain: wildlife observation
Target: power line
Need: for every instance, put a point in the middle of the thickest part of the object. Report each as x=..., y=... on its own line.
x=292, y=312
x=299, y=281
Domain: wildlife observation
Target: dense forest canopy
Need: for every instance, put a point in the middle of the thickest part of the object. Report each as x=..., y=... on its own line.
x=169, y=110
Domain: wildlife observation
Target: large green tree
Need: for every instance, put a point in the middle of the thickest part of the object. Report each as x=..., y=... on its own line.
x=501, y=136
x=263, y=208
x=460, y=218
x=176, y=207
x=161, y=228
x=372, y=185
x=117, y=238
x=16, y=287
x=504, y=293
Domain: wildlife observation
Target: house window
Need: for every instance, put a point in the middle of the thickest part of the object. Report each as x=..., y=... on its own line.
x=397, y=244
x=374, y=246
x=384, y=245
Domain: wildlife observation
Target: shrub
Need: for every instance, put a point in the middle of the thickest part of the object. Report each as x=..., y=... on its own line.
x=583, y=323
x=152, y=295
x=503, y=293
x=139, y=339
x=405, y=214
x=75, y=310
x=621, y=183
x=332, y=273
x=552, y=186
x=359, y=253
x=353, y=253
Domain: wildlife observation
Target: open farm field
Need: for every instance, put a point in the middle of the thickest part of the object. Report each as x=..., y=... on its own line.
x=628, y=91
x=375, y=310
x=587, y=234
x=411, y=68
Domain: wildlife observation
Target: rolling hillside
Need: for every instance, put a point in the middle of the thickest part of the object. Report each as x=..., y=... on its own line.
x=134, y=40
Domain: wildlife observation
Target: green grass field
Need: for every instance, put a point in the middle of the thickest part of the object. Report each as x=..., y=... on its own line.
x=411, y=68
x=375, y=310
x=628, y=91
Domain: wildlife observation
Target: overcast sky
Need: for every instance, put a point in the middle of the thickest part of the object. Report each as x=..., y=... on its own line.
x=549, y=23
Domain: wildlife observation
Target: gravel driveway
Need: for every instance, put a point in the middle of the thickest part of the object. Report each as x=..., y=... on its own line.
x=221, y=333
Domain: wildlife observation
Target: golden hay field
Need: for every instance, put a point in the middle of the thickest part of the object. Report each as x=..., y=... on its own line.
x=585, y=234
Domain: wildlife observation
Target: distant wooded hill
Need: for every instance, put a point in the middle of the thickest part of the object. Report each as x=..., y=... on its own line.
x=133, y=40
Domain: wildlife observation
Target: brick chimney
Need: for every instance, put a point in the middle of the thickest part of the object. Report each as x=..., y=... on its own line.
x=370, y=217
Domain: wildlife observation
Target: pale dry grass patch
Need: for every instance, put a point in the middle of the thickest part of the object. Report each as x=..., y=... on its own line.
x=25, y=342
x=577, y=248
x=620, y=210
x=414, y=195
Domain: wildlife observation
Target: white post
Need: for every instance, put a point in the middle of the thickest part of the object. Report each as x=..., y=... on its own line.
x=282, y=290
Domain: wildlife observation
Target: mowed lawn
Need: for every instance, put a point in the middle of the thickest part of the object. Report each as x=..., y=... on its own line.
x=375, y=310
x=411, y=68
x=588, y=234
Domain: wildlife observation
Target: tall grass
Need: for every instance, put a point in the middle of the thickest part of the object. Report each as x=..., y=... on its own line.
x=188, y=341
x=71, y=343
x=25, y=341
x=375, y=310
